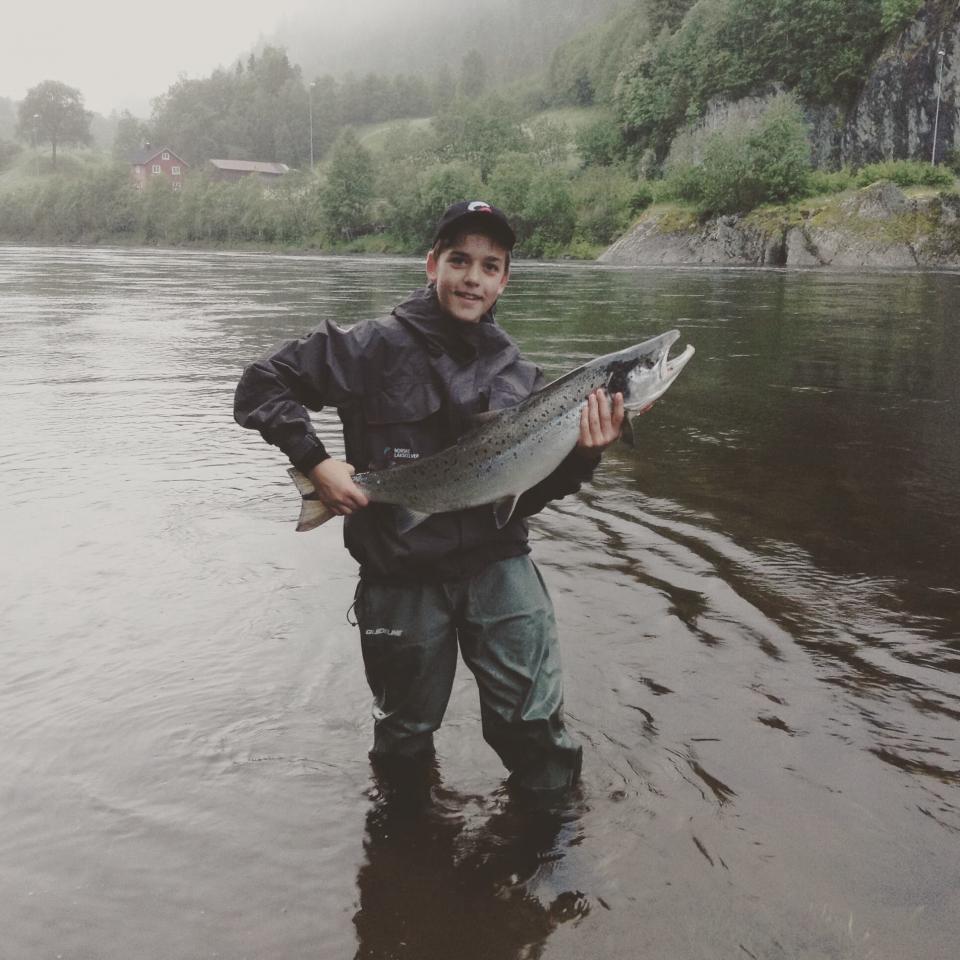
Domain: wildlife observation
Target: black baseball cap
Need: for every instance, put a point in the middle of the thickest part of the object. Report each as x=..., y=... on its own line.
x=476, y=215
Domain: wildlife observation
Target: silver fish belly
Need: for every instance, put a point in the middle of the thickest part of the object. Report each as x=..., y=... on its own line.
x=511, y=450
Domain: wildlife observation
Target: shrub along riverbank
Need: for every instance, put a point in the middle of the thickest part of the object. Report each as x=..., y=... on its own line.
x=303, y=212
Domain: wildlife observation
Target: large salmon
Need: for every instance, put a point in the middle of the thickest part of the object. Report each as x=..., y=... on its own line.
x=509, y=451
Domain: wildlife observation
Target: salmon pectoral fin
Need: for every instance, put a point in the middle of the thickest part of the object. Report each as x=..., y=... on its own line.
x=408, y=519
x=503, y=510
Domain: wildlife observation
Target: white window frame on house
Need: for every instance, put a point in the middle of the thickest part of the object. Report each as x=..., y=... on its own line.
x=177, y=184
x=157, y=168
x=175, y=171
x=165, y=155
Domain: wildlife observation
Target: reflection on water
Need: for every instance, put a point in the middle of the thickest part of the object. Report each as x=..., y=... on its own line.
x=759, y=608
x=445, y=875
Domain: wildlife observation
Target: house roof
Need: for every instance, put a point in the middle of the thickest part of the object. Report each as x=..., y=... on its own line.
x=148, y=153
x=252, y=166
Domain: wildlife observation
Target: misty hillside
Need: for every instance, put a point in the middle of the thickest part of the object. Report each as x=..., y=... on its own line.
x=716, y=105
x=419, y=36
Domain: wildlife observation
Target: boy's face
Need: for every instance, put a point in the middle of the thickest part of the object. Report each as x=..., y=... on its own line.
x=469, y=276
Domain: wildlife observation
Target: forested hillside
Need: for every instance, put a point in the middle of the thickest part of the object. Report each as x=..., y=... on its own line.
x=657, y=63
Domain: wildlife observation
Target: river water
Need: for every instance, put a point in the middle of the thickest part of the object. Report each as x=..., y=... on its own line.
x=759, y=610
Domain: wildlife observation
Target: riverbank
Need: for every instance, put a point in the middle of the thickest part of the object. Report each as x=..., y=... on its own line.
x=90, y=201
x=367, y=245
x=878, y=226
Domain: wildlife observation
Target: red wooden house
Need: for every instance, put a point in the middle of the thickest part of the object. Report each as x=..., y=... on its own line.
x=158, y=162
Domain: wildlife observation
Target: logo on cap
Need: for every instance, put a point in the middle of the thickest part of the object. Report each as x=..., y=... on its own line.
x=479, y=206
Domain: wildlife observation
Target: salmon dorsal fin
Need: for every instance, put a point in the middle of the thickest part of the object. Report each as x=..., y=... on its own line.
x=488, y=416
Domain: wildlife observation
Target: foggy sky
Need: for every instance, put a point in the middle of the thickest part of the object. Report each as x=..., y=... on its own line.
x=418, y=36
x=122, y=53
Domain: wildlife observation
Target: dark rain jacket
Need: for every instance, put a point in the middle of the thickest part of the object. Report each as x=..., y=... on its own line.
x=405, y=386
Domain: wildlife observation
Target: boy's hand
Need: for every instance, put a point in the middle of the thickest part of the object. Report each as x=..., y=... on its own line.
x=600, y=423
x=333, y=482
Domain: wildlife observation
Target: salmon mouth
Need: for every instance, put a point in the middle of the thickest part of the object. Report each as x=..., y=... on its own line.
x=670, y=367
x=645, y=377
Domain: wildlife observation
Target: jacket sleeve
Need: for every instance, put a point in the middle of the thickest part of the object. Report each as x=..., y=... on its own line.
x=274, y=394
x=572, y=473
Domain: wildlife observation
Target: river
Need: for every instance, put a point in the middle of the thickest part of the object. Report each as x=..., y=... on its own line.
x=759, y=611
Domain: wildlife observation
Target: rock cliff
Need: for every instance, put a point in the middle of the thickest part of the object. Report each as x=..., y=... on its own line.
x=879, y=226
x=895, y=114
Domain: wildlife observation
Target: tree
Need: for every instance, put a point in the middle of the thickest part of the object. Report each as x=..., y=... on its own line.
x=746, y=163
x=549, y=141
x=549, y=213
x=327, y=99
x=600, y=143
x=478, y=131
x=346, y=197
x=896, y=14
x=473, y=75
x=667, y=13
x=257, y=111
x=509, y=186
x=8, y=152
x=130, y=136
x=444, y=88
x=53, y=113
x=412, y=96
x=606, y=199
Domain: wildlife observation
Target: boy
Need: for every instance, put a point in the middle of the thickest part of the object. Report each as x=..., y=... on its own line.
x=406, y=386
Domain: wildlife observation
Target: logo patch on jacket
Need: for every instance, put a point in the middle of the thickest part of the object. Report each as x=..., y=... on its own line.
x=400, y=453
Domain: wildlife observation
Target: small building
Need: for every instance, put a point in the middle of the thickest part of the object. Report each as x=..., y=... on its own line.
x=153, y=161
x=238, y=169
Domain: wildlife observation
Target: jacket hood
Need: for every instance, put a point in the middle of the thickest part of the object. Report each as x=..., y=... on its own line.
x=442, y=334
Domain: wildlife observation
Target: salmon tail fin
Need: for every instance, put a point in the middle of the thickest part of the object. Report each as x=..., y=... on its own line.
x=312, y=511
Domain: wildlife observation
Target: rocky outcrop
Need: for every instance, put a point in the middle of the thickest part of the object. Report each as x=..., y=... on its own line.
x=660, y=239
x=879, y=226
